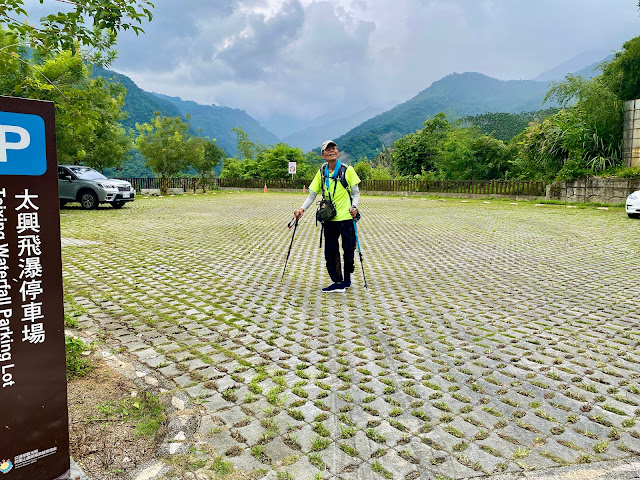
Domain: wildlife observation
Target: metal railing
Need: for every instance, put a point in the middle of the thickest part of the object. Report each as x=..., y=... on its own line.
x=139, y=183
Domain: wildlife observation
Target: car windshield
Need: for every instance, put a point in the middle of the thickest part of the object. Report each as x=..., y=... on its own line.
x=86, y=173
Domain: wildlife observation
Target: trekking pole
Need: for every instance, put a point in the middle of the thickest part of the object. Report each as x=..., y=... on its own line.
x=355, y=228
x=289, y=225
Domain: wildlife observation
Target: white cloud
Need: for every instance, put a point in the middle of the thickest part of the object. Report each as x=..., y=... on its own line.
x=306, y=58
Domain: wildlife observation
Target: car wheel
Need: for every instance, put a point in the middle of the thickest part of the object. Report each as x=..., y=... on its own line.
x=88, y=200
x=117, y=204
x=633, y=215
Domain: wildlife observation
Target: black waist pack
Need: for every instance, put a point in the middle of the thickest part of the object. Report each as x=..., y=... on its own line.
x=326, y=211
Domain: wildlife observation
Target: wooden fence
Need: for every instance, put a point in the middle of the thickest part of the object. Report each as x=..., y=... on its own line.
x=463, y=187
x=469, y=187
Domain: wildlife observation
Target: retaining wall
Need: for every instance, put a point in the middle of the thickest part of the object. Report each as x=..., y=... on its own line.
x=598, y=190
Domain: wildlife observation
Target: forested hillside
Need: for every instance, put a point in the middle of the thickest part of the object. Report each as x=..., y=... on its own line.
x=215, y=122
x=458, y=95
x=218, y=122
x=505, y=126
x=139, y=104
x=206, y=120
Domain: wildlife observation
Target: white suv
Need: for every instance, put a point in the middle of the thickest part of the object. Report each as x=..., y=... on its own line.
x=77, y=183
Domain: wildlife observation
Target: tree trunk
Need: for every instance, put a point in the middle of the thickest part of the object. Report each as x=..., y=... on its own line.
x=163, y=184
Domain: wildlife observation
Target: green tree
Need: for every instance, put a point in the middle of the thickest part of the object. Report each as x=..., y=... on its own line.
x=596, y=106
x=363, y=169
x=385, y=161
x=88, y=111
x=491, y=157
x=586, y=137
x=417, y=152
x=274, y=162
x=232, y=168
x=455, y=159
x=166, y=144
x=204, y=165
x=468, y=155
x=622, y=73
x=270, y=163
x=562, y=147
x=381, y=173
x=410, y=157
x=245, y=147
x=81, y=22
x=106, y=143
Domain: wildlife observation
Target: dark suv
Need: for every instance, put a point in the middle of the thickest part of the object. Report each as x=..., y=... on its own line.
x=77, y=183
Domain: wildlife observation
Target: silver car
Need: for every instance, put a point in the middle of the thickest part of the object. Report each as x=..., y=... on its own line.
x=77, y=183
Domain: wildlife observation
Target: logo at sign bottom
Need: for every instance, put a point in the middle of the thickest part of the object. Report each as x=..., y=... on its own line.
x=6, y=466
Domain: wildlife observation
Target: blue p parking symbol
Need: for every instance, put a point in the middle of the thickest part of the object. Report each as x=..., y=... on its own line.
x=22, y=144
x=5, y=144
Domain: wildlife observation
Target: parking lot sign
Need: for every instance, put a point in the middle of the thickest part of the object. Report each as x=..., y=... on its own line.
x=34, y=443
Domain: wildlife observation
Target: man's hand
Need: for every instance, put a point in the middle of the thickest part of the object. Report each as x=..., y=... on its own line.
x=353, y=211
x=298, y=213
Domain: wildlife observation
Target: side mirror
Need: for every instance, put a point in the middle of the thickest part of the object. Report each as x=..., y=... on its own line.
x=68, y=177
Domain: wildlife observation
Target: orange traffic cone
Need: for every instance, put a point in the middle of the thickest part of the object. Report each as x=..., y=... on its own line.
x=304, y=189
x=265, y=188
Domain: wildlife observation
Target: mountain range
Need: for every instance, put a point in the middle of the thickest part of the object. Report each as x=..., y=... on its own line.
x=207, y=120
x=576, y=66
x=310, y=137
x=457, y=94
x=362, y=133
x=218, y=122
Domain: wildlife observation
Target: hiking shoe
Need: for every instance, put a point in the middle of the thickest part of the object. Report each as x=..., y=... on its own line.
x=346, y=284
x=334, y=288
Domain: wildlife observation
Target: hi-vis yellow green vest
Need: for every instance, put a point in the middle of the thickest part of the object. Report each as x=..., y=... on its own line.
x=341, y=196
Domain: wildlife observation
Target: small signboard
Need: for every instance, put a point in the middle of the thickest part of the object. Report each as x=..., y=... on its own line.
x=292, y=167
x=34, y=443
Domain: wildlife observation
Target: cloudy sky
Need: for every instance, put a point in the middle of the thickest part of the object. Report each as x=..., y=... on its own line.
x=308, y=58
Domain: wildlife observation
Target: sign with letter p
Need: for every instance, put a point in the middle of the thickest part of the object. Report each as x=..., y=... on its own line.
x=34, y=443
x=22, y=144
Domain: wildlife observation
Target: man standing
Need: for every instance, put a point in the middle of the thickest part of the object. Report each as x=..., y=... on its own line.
x=339, y=184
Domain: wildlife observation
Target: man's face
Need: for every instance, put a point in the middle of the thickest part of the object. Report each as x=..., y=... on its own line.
x=330, y=153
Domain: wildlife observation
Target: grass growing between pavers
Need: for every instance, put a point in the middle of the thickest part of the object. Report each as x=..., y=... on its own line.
x=488, y=330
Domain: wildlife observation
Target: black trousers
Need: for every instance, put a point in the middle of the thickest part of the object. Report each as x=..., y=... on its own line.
x=333, y=231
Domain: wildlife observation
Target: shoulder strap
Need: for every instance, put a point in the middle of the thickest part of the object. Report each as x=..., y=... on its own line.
x=343, y=180
x=322, y=178
x=342, y=175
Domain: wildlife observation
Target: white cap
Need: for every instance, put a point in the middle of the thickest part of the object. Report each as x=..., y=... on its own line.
x=325, y=144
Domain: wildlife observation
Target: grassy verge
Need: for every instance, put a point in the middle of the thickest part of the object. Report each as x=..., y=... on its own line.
x=78, y=364
x=144, y=411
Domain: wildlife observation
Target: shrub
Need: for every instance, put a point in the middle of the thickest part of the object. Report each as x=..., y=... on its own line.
x=77, y=364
